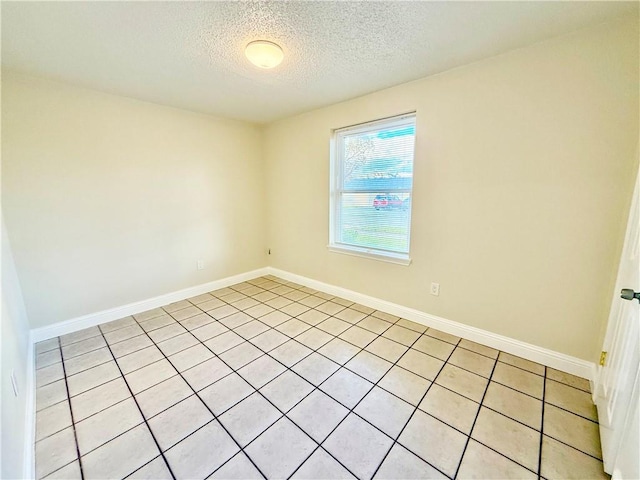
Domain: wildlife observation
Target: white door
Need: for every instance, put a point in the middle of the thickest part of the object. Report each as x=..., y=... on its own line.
x=617, y=391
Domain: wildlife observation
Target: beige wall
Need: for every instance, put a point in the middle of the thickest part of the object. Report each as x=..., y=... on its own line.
x=523, y=174
x=109, y=200
x=14, y=345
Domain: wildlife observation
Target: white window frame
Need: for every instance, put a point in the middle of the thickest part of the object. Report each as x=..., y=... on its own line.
x=336, y=190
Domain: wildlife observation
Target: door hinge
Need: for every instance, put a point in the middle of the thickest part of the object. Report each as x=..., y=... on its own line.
x=603, y=358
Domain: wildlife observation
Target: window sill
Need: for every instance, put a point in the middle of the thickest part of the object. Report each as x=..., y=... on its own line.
x=397, y=258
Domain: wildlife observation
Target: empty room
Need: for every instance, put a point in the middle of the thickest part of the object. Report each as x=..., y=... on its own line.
x=320, y=240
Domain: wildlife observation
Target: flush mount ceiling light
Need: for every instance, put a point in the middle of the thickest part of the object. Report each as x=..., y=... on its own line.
x=264, y=54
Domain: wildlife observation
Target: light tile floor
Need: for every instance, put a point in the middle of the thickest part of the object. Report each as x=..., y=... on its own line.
x=271, y=379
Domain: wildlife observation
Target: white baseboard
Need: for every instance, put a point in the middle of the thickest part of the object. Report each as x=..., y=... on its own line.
x=550, y=358
x=29, y=458
x=92, y=319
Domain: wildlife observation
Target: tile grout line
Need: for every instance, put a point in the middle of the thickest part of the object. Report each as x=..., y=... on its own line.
x=312, y=350
x=79, y=421
x=495, y=360
x=525, y=425
x=270, y=328
x=143, y=466
x=213, y=319
x=139, y=410
x=507, y=416
x=123, y=400
x=255, y=390
x=504, y=456
x=574, y=448
x=287, y=368
x=473, y=425
x=501, y=414
x=215, y=417
x=150, y=418
x=148, y=388
x=242, y=453
x=294, y=317
x=312, y=326
x=360, y=349
x=63, y=466
x=417, y=407
x=528, y=426
x=291, y=338
x=563, y=383
x=284, y=414
x=350, y=410
x=544, y=391
x=73, y=423
x=375, y=384
x=457, y=345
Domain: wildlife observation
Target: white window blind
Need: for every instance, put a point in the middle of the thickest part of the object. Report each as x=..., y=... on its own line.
x=372, y=180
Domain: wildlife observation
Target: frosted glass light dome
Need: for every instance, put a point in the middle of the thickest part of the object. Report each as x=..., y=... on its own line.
x=264, y=54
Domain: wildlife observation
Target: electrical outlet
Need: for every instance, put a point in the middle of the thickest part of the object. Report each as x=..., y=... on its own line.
x=435, y=289
x=14, y=383
x=200, y=264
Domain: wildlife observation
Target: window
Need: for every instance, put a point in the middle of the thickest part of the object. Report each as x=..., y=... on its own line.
x=371, y=182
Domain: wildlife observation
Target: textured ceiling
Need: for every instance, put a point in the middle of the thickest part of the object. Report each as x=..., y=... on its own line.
x=190, y=54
